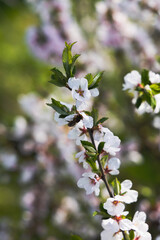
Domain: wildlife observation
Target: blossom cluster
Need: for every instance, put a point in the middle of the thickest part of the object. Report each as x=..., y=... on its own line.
x=98, y=153
x=146, y=90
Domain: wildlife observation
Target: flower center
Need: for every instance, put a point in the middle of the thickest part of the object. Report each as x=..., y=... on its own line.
x=80, y=91
x=115, y=202
x=83, y=131
x=140, y=85
x=107, y=170
x=118, y=218
x=93, y=181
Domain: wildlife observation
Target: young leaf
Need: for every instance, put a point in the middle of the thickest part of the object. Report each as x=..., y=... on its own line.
x=155, y=88
x=131, y=235
x=57, y=78
x=58, y=107
x=76, y=237
x=126, y=236
x=88, y=146
x=69, y=60
x=116, y=186
x=102, y=120
x=93, y=165
x=104, y=160
x=139, y=101
x=100, y=147
x=89, y=78
x=149, y=99
x=94, y=115
x=74, y=58
x=97, y=78
x=86, y=143
x=145, y=77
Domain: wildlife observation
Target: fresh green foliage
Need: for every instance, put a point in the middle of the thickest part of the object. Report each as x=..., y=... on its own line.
x=69, y=60
x=57, y=78
x=94, y=81
x=145, y=77
x=116, y=186
x=127, y=237
x=102, y=120
x=88, y=146
x=149, y=98
x=131, y=235
x=89, y=78
x=100, y=147
x=58, y=107
x=139, y=101
x=155, y=88
x=94, y=115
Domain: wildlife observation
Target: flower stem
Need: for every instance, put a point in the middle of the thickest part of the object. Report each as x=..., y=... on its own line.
x=90, y=131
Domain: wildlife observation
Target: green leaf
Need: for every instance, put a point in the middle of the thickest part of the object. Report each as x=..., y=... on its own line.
x=116, y=186
x=74, y=58
x=76, y=237
x=57, y=78
x=58, y=107
x=131, y=235
x=104, y=160
x=91, y=154
x=69, y=60
x=139, y=101
x=92, y=162
x=97, y=78
x=102, y=120
x=94, y=115
x=86, y=143
x=145, y=77
x=149, y=99
x=88, y=146
x=89, y=78
x=155, y=88
x=126, y=236
x=100, y=147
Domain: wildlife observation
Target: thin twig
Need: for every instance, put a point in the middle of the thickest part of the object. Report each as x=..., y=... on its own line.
x=100, y=166
x=90, y=131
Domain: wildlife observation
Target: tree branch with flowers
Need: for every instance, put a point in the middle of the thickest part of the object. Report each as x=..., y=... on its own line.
x=100, y=146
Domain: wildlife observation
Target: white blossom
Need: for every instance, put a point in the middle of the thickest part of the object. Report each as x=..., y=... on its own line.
x=87, y=120
x=126, y=195
x=112, y=226
x=157, y=109
x=82, y=158
x=94, y=92
x=140, y=226
x=112, y=143
x=131, y=80
x=154, y=77
x=114, y=207
x=112, y=166
x=79, y=88
x=90, y=182
x=78, y=133
x=81, y=93
x=99, y=132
